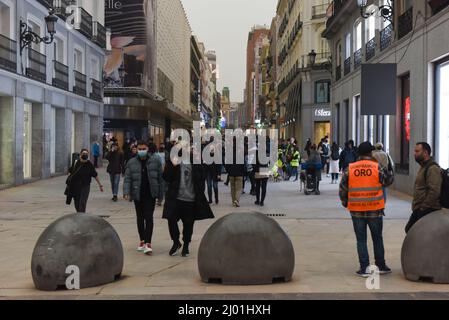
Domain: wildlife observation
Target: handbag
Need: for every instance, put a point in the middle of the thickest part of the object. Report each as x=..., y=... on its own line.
x=69, y=180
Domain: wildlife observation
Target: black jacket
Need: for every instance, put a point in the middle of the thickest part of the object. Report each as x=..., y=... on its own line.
x=116, y=162
x=172, y=175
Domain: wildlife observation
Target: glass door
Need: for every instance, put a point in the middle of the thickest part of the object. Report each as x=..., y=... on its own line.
x=442, y=114
x=27, y=139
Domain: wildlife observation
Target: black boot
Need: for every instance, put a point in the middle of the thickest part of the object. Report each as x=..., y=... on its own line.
x=185, y=250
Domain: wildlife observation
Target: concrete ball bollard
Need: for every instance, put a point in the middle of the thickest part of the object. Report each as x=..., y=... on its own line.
x=246, y=249
x=77, y=242
x=425, y=254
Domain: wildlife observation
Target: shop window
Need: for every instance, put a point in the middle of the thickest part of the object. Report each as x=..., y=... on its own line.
x=346, y=123
x=405, y=124
x=322, y=91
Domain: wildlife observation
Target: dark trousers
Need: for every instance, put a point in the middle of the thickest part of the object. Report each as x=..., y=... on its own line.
x=96, y=161
x=416, y=216
x=295, y=172
x=334, y=176
x=212, y=182
x=252, y=180
x=144, y=212
x=324, y=163
x=261, y=186
x=185, y=213
x=81, y=199
x=360, y=228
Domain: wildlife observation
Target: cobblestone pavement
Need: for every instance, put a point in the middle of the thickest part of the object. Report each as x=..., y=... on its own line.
x=320, y=229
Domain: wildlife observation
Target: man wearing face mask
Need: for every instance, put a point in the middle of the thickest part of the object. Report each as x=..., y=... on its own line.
x=143, y=184
x=78, y=182
x=427, y=191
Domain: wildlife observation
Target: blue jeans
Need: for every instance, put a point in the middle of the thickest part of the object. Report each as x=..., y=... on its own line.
x=360, y=227
x=115, y=182
x=212, y=181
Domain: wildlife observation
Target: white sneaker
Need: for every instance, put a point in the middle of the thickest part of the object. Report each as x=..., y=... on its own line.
x=141, y=246
x=147, y=249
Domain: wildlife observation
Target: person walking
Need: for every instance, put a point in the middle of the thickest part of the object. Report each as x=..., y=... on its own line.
x=79, y=180
x=323, y=149
x=143, y=185
x=334, y=169
x=427, y=190
x=116, y=168
x=361, y=193
x=385, y=161
x=96, y=153
x=262, y=174
x=315, y=160
x=308, y=147
x=212, y=173
x=185, y=201
x=348, y=156
x=235, y=172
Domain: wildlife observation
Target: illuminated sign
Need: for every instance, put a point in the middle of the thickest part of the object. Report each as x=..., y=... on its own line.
x=323, y=113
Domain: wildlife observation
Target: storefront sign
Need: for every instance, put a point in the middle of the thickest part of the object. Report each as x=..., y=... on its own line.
x=323, y=113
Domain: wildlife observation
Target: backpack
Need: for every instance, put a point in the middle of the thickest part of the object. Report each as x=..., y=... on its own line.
x=335, y=155
x=444, y=195
x=349, y=157
x=325, y=149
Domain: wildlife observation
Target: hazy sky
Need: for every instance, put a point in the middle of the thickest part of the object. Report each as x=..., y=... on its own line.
x=223, y=26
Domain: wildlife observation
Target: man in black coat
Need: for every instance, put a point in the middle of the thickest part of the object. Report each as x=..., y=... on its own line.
x=185, y=200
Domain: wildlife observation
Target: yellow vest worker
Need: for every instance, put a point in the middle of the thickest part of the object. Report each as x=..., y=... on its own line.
x=365, y=190
x=295, y=159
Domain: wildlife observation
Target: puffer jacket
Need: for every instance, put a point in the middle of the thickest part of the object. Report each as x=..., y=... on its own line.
x=427, y=189
x=133, y=177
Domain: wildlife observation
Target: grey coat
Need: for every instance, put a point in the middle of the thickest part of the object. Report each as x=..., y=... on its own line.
x=133, y=177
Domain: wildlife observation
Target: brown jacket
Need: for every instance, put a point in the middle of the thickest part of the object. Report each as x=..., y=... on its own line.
x=427, y=189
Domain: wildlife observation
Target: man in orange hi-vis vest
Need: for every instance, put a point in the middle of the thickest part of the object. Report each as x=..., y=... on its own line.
x=361, y=191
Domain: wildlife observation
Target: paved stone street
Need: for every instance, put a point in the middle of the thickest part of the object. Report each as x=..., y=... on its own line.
x=321, y=231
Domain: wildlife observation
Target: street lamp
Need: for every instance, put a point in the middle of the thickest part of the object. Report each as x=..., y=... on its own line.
x=386, y=11
x=27, y=36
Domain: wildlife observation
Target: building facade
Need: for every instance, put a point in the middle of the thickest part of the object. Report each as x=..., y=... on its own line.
x=148, y=70
x=414, y=43
x=50, y=95
x=303, y=70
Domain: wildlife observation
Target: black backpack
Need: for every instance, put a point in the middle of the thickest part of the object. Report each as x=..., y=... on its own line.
x=444, y=196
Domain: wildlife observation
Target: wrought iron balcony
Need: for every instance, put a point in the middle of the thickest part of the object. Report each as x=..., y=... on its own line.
x=338, y=73
x=60, y=7
x=97, y=92
x=85, y=23
x=347, y=66
x=319, y=11
x=357, y=58
x=46, y=3
x=370, y=49
x=99, y=34
x=385, y=37
x=8, y=54
x=80, y=84
x=37, y=66
x=405, y=23
x=61, y=76
x=438, y=5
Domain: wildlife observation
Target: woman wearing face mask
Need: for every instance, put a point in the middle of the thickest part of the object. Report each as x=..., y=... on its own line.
x=78, y=182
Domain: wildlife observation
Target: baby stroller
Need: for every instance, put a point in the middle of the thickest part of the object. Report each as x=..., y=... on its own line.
x=310, y=177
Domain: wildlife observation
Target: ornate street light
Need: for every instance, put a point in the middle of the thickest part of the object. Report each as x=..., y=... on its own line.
x=312, y=58
x=386, y=11
x=27, y=36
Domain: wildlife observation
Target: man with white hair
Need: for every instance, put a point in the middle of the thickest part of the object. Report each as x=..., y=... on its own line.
x=385, y=162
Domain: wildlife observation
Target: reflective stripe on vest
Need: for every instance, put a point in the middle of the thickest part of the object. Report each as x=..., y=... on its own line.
x=365, y=190
x=295, y=162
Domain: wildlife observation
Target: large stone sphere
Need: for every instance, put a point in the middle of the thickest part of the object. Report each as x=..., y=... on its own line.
x=246, y=249
x=425, y=253
x=82, y=240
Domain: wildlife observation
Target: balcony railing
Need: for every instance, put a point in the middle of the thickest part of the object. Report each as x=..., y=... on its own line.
x=347, y=66
x=60, y=7
x=405, y=23
x=99, y=34
x=438, y=5
x=80, y=84
x=385, y=37
x=46, y=3
x=97, y=92
x=85, y=23
x=8, y=54
x=61, y=76
x=338, y=73
x=319, y=11
x=370, y=49
x=37, y=66
x=357, y=58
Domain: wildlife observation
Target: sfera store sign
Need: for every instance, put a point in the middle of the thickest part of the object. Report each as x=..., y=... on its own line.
x=323, y=113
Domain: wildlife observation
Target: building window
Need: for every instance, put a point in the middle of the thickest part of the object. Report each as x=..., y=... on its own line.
x=386, y=133
x=348, y=46
x=405, y=124
x=356, y=120
x=322, y=91
x=346, y=123
x=442, y=113
x=337, y=123
x=79, y=60
x=358, y=36
x=6, y=19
